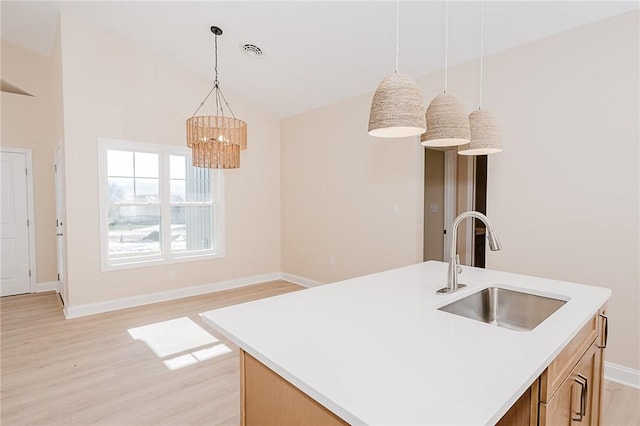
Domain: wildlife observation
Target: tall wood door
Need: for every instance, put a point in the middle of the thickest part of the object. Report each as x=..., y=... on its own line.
x=14, y=246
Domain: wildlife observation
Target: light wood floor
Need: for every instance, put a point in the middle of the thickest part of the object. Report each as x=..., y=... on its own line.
x=91, y=371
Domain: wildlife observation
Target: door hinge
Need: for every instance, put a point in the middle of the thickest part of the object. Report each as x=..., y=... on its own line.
x=26, y=172
x=58, y=277
x=29, y=273
x=55, y=168
x=27, y=222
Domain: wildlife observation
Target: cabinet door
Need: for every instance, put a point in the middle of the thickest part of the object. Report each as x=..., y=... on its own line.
x=574, y=403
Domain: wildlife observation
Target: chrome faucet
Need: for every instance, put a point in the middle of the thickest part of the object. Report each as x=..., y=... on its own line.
x=454, y=262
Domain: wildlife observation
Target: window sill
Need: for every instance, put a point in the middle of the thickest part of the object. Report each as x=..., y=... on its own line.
x=134, y=264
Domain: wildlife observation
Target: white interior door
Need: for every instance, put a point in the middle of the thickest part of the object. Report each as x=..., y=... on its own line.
x=15, y=274
x=60, y=219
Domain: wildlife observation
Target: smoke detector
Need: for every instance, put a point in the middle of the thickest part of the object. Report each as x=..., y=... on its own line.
x=252, y=50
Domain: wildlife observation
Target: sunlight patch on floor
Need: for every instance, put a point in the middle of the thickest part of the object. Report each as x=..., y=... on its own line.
x=196, y=356
x=174, y=337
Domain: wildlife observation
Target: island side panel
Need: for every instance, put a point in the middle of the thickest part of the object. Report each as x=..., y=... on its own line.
x=525, y=411
x=268, y=399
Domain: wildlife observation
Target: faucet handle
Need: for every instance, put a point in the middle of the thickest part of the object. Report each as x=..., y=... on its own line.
x=458, y=267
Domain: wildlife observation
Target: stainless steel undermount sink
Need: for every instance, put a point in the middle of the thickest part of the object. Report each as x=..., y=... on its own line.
x=510, y=309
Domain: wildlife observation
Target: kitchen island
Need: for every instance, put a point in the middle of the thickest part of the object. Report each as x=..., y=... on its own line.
x=376, y=349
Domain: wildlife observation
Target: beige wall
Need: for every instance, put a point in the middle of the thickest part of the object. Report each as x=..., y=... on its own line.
x=563, y=195
x=339, y=187
x=112, y=89
x=27, y=122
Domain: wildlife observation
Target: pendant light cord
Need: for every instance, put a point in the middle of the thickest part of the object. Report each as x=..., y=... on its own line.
x=397, y=33
x=216, y=86
x=446, y=42
x=481, y=51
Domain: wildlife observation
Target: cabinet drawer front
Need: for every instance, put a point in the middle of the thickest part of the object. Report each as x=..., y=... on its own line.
x=559, y=369
x=575, y=402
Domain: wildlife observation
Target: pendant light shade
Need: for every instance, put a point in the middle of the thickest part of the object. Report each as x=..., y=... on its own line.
x=447, y=122
x=216, y=140
x=485, y=134
x=213, y=128
x=396, y=108
x=216, y=155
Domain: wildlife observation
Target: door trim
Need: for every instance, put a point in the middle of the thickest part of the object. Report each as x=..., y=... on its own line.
x=30, y=214
x=471, y=205
x=450, y=194
x=60, y=207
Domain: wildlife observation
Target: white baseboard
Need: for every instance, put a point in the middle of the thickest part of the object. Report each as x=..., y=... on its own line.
x=306, y=282
x=145, y=299
x=624, y=375
x=48, y=286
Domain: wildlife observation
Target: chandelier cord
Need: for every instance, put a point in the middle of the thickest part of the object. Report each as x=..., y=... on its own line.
x=446, y=42
x=397, y=33
x=216, y=86
x=481, y=51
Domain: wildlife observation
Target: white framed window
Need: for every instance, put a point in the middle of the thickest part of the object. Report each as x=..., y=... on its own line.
x=155, y=207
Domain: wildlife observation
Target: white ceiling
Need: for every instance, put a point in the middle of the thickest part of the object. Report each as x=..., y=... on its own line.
x=316, y=52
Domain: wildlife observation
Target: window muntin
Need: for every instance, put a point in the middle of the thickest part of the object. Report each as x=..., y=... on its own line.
x=156, y=207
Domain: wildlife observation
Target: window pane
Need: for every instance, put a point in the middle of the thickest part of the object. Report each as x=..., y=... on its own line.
x=147, y=190
x=121, y=190
x=146, y=165
x=177, y=190
x=177, y=165
x=198, y=184
x=134, y=231
x=119, y=163
x=191, y=228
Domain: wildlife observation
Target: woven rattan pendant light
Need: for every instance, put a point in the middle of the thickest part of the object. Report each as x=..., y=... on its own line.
x=216, y=140
x=485, y=132
x=447, y=122
x=396, y=108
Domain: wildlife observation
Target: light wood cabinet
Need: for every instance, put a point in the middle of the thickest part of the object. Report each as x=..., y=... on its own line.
x=569, y=391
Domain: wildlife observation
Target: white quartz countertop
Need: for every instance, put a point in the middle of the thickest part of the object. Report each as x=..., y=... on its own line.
x=376, y=350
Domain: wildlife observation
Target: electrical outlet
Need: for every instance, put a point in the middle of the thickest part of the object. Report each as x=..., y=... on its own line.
x=332, y=260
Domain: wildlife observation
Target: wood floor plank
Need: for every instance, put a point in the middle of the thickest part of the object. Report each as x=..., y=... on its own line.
x=90, y=371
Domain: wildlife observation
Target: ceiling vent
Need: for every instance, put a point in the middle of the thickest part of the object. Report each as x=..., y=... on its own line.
x=252, y=50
